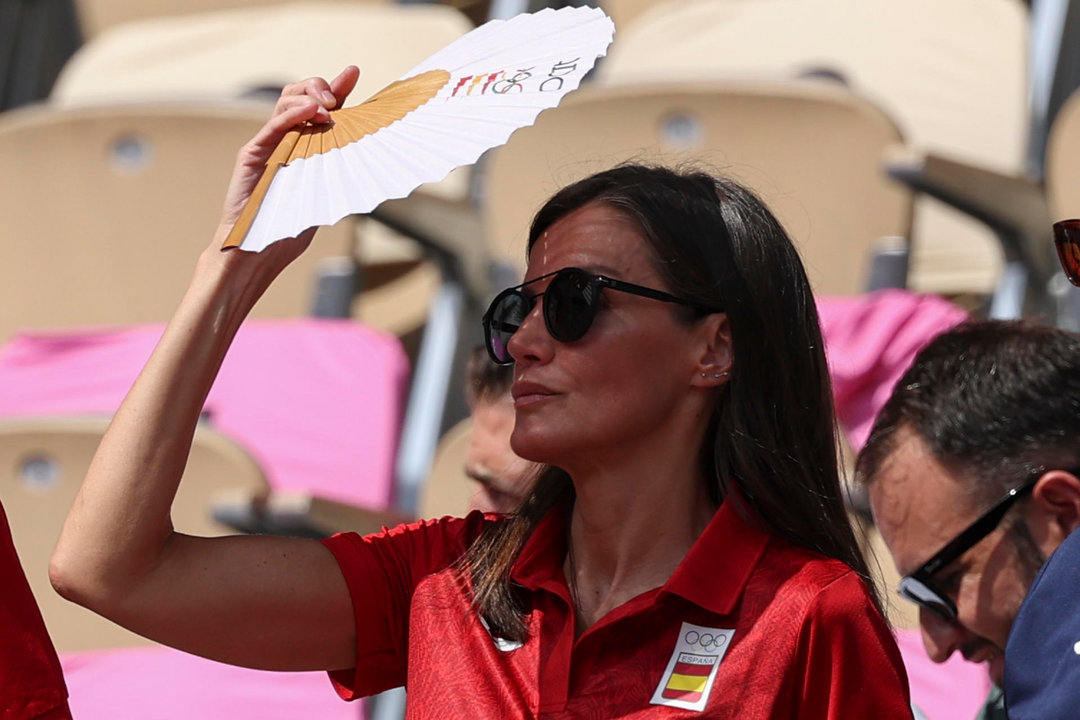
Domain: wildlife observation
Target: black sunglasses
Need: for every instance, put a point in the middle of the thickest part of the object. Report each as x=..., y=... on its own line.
x=1067, y=239
x=919, y=586
x=570, y=304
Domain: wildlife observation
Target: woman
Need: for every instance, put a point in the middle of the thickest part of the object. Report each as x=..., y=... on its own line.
x=687, y=551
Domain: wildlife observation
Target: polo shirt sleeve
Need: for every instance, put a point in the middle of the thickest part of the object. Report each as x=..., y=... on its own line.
x=852, y=666
x=382, y=571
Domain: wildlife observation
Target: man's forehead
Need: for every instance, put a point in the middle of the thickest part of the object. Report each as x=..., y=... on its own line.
x=918, y=503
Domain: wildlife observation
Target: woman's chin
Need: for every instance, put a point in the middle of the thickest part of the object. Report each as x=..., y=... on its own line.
x=538, y=448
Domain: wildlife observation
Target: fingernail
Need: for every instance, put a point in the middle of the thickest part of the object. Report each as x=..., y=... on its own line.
x=328, y=97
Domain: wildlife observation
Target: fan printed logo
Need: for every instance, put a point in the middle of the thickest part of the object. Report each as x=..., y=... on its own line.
x=690, y=672
x=503, y=82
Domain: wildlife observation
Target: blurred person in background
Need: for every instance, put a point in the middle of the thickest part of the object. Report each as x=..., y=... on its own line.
x=501, y=477
x=973, y=470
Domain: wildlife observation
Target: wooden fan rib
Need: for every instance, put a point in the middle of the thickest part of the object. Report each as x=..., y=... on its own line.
x=387, y=106
x=247, y=216
x=392, y=103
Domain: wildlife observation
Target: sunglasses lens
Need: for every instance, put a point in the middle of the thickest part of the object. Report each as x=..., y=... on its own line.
x=925, y=596
x=1067, y=239
x=570, y=304
x=502, y=320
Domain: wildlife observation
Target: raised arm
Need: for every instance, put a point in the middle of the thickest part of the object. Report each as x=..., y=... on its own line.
x=266, y=602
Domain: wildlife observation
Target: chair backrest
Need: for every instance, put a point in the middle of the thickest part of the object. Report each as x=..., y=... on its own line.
x=820, y=173
x=951, y=73
x=625, y=12
x=97, y=16
x=42, y=464
x=1063, y=161
x=448, y=489
x=227, y=53
x=106, y=210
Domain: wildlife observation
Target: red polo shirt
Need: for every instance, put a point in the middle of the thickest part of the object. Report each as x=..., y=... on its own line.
x=747, y=627
x=31, y=683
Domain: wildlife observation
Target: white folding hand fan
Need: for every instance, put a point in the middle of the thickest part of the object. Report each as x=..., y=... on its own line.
x=444, y=113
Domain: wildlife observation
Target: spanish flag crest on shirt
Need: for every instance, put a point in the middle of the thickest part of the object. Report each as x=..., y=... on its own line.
x=691, y=670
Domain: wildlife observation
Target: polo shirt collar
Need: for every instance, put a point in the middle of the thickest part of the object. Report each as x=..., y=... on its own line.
x=715, y=571
x=712, y=575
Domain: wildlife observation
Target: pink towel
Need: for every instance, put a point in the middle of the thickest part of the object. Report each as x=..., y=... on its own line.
x=953, y=690
x=157, y=683
x=870, y=341
x=318, y=403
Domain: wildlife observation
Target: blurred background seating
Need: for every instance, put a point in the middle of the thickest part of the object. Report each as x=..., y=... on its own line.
x=806, y=171
x=113, y=179
x=99, y=16
x=228, y=53
x=108, y=206
x=933, y=66
x=42, y=463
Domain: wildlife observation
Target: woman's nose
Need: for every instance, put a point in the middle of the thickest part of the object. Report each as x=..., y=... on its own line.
x=531, y=342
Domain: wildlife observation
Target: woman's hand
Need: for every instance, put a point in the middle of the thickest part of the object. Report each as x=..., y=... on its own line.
x=308, y=101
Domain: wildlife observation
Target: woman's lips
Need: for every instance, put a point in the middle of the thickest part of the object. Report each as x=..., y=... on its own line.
x=528, y=393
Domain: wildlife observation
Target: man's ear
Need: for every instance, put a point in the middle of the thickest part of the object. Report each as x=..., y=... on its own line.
x=715, y=358
x=1057, y=493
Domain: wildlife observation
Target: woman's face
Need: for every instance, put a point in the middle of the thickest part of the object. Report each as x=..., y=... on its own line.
x=620, y=386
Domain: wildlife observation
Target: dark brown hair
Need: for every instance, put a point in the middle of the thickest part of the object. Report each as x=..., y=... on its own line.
x=992, y=400
x=772, y=446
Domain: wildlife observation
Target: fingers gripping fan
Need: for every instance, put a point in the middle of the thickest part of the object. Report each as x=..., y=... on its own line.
x=444, y=113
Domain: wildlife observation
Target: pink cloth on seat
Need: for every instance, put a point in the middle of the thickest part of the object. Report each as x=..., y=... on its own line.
x=870, y=341
x=156, y=683
x=318, y=403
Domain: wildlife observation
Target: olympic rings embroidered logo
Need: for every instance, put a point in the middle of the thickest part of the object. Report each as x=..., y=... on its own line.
x=690, y=672
x=707, y=642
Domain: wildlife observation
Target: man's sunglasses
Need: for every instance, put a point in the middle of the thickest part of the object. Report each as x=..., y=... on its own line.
x=571, y=300
x=919, y=586
x=1067, y=239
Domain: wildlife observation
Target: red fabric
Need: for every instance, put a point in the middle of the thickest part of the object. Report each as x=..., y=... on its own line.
x=807, y=641
x=31, y=683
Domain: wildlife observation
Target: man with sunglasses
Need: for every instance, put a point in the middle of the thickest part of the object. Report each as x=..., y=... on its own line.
x=973, y=472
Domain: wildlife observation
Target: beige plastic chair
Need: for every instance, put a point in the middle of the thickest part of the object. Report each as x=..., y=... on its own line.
x=97, y=16
x=625, y=12
x=106, y=210
x=811, y=150
x=446, y=492
x=951, y=73
x=448, y=488
x=1063, y=162
x=43, y=462
x=227, y=53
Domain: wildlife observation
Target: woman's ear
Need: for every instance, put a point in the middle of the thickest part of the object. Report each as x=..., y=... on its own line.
x=715, y=357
